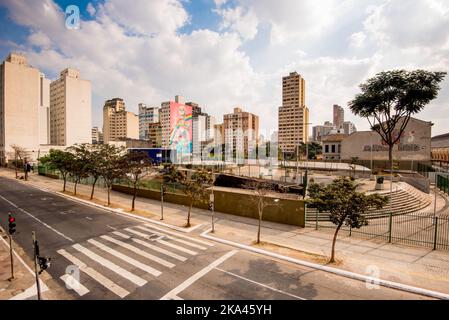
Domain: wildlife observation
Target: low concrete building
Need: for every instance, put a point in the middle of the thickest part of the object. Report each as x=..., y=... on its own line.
x=332, y=146
x=440, y=149
x=412, y=147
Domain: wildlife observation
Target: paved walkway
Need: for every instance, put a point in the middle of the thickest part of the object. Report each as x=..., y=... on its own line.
x=414, y=266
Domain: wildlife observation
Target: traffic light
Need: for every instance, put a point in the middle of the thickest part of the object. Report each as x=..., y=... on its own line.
x=44, y=264
x=12, y=224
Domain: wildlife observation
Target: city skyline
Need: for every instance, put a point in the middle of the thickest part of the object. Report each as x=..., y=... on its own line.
x=248, y=51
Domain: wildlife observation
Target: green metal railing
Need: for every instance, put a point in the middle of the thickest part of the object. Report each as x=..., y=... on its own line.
x=419, y=229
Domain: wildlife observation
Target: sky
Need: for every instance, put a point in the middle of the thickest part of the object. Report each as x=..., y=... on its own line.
x=227, y=53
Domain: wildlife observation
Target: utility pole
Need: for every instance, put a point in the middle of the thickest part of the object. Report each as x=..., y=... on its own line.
x=212, y=208
x=162, y=200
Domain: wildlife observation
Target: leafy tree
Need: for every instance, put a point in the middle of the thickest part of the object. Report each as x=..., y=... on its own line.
x=136, y=166
x=195, y=186
x=61, y=161
x=389, y=99
x=20, y=155
x=344, y=204
x=79, y=167
x=259, y=197
x=110, y=165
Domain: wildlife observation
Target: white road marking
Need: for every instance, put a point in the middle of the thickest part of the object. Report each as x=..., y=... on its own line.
x=259, y=284
x=105, y=282
x=139, y=252
x=124, y=236
x=180, y=235
x=174, y=246
x=110, y=227
x=174, y=293
x=37, y=219
x=111, y=266
x=173, y=238
x=89, y=218
x=78, y=287
x=166, y=252
x=125, y=258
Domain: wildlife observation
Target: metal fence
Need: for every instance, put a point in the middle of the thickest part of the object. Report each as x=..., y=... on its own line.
x=418, y=229
x=443, y=183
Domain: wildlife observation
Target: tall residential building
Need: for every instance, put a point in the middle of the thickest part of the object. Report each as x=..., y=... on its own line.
x=293, y=115
x=97, y=136
x=219, y=134
x=348, y=127
x=339, y=116
x=119, y=124
x=24, y=103
x=241, y=131
x=70, y=109
x=198, y=134
x=147, y=116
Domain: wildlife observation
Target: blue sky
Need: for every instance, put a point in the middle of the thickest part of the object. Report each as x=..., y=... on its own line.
x=227, y=53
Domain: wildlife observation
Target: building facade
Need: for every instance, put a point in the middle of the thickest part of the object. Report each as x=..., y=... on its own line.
x=348, y=128
x=440, y=149
x=155, y=135
x=70, y=109
x=118, y=123
x=241, y=133
x=24, y=107
x=293, y=114
x=147, y=116
x=414, y=145
x=320, y=131
x=332, y=146
x=97, y=136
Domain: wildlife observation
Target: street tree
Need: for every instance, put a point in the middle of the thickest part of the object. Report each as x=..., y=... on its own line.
x=20, y=155
x=259, y=197
x=344, y=204
x=136, y=166
x=59, y=160
x=78, y=169
x=389, y=99
x=195, y=186
x=110, y=165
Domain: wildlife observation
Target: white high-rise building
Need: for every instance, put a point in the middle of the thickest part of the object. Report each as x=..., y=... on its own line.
x=24, y=103
x=147, y=116
x=70, y=109
x=199, y=127
x=349, y=127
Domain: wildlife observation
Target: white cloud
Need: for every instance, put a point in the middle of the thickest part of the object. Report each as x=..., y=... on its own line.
x=335, y=45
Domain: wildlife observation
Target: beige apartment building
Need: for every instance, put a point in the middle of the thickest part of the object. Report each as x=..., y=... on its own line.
x=293, y=119
x=70, y=109
x=119, y=124
x=24, y=107
x=241, y=133
x=155, y=134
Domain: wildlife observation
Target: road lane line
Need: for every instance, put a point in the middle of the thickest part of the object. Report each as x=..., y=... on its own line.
x=37, y=219
x=72, y=283
x=101, y=279
x=173, y=294
x=174, y=246
x=181, y=235
x=139, y=252
x=111, y=266
x=111, y=227
x=260, y=284
x=89, y=218
x=125, y=258
x=173, y=238
x=155, y=248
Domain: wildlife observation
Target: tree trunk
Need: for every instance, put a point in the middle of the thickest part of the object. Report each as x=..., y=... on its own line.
x=332, y=259
x=134, y=198
x=260, y=222
x=188, y=214
x=93, y=189
x=65, y=182
x=109, y=197
x=76, y=183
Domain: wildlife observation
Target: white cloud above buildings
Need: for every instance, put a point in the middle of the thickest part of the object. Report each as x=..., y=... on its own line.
x=139, y=53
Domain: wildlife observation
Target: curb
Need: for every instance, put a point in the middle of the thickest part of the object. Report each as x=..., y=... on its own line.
x=343, y=273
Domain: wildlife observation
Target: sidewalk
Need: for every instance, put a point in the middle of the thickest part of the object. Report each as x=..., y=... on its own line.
x=415, y=266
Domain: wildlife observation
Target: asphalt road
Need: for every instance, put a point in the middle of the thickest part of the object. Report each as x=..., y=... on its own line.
x=123, y=258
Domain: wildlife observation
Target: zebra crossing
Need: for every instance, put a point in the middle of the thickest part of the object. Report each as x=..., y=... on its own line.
x=123, y=260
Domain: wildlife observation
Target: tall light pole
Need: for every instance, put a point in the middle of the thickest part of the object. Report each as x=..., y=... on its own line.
x=307, y=145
